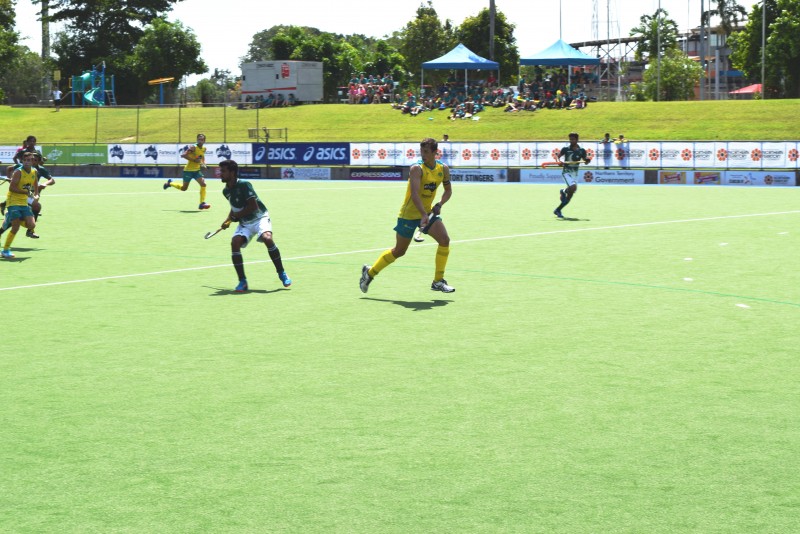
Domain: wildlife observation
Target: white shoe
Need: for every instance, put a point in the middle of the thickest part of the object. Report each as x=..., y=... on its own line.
x=442, y=286
x=365, y=279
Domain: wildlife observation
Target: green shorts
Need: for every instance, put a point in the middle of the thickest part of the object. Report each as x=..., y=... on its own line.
x=188, y=176
x=407, y=227
x=16, y=212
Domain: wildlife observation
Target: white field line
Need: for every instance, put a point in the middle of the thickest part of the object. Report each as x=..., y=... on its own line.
x=363, y=251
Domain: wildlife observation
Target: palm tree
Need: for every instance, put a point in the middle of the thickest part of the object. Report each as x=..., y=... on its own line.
x=729, y=13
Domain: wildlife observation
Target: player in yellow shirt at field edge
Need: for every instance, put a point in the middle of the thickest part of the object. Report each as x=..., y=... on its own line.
x=195, y=157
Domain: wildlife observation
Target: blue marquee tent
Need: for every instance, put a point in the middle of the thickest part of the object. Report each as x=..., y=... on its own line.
x=461, y=57
x=559, y=53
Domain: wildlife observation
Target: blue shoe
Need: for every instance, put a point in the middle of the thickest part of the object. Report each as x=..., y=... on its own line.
x=7, y=254
x=166, y=184
x=203, y=206
x=557, y=213
x=285, y=279
x=242, y=287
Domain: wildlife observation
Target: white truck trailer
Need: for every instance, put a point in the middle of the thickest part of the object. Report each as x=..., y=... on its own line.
x=302, y=79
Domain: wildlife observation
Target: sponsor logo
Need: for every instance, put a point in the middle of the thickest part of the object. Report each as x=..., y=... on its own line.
x=722, y=154
x=793, y=154
x=151, y=152
x=755, y=154
x=223, y=152
x=116, y=152
x=466, y=154
x=588, y=176
x=654, y=154
x=54, y=154
x=686, y=154
x=356, y=153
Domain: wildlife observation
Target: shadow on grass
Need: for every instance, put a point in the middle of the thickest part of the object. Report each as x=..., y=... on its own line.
x=16, y=259
x=414, y=305
x=572, y=219
x=220, y=292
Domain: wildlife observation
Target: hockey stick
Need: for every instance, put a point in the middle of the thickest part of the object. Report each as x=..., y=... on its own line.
x=209, y=235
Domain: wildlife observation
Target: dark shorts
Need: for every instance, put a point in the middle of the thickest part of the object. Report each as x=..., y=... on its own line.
x=407, y=227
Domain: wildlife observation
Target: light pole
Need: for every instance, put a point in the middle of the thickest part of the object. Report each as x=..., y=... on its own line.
x=763, y=46
x=658, y=51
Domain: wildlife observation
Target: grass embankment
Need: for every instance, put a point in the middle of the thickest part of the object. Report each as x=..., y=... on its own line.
x=708, y=120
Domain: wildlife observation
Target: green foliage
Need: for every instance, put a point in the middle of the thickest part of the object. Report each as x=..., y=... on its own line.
x=729, y=14
x=474, y=34
x=654, y=29
x=783, y=47
x=8, y=37
x=166, y=50
x=107, y=31
x=679, y=76
x=22, y=75
x=426, y=38
x=782, y=53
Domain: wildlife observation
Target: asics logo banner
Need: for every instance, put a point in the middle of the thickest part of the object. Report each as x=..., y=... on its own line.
x=291, y=154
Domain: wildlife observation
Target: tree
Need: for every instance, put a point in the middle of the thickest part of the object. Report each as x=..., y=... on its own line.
x=783, y=48
x=782, y=53
x=103, y=31
x=729, y=13
x=166, y=50
x=746, y=45
x=21, y=76
x=474, y=34
x=8, y=37
x=679, y=76
x=426, y=38
x=653, y=30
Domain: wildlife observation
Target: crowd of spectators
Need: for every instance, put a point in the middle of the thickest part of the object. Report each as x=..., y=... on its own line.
x=551, y=91
x=372, y=89
x=276, y=100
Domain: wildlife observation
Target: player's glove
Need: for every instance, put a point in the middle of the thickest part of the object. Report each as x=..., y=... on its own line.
x=437, y=208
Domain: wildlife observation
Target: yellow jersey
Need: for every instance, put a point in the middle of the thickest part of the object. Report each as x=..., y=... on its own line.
x=27, y=182
x=431, y=178
x=194, y=165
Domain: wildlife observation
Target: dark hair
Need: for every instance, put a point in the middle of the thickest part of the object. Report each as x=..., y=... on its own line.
x=30, y=138
x=573, y=133
x=230, y=165
x=430, y=142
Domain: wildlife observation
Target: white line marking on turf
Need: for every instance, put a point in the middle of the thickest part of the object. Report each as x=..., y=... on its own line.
x=381, y=249
x=743, y=306
x=688, y=279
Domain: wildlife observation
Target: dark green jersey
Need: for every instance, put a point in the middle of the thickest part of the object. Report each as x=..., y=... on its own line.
x=238, y=196
x=571, y=158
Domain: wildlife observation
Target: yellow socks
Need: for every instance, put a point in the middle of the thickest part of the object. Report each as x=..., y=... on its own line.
x=441, y=261
x=383, y=262
x=176, y=185
x=9, y=239
x=202, y=194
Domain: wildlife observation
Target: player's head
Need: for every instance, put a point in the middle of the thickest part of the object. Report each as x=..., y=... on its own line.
x=28, y=158
x=573, y=136
x=228, y=169
x=201, y=138
x=430, y=143
x=31, y=140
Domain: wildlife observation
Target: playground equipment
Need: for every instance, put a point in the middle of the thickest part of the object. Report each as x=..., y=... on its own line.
x=160, y=82
x=93, y=88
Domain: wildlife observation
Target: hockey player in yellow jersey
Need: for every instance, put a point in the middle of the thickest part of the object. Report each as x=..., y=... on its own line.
x=24, y=183
x=419, y=211
x=195, y=157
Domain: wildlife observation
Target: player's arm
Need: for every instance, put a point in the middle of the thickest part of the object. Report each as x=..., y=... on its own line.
x=13, y=186
x=415, y=179
x=448, y=190
x=250, y=207
x=188, y=154
x=586, y=158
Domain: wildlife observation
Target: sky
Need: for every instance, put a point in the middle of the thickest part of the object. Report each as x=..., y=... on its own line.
x=225, y=33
